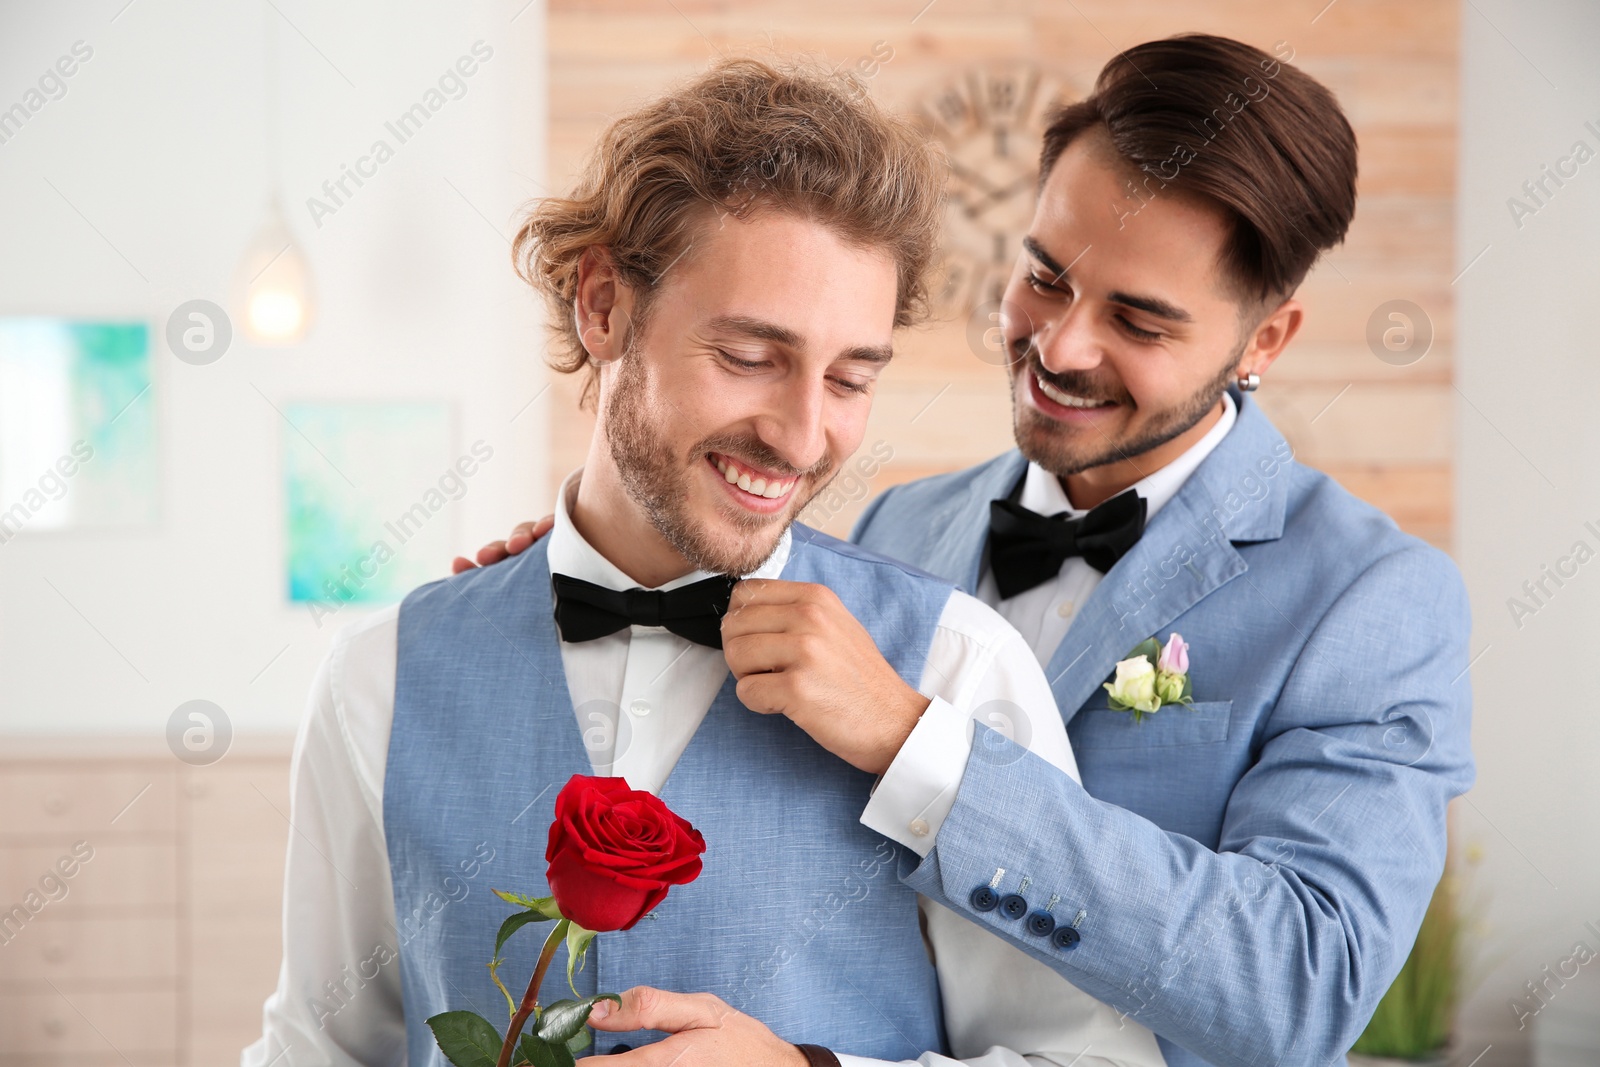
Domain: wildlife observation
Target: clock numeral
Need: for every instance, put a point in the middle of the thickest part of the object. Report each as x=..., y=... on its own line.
x=1002, y=95
x=952, y=107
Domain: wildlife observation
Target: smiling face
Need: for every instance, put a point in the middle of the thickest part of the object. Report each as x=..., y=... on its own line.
x=1122, y=327
x=737, y=401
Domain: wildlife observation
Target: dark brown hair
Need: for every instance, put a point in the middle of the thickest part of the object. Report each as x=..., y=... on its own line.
x=745, y=136
x=1223, y=121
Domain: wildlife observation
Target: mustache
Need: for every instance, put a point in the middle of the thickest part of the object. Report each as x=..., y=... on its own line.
x=1075, y=382
x=757, y=453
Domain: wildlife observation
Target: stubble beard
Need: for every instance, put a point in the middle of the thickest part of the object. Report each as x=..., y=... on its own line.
x=1041, y=439
x=658, y=482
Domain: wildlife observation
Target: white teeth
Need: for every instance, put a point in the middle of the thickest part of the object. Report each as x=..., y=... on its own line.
x=1064, y=399
x=757, y=487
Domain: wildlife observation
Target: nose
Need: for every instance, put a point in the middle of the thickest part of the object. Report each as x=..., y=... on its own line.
x=1068, y=341
x=793, y=424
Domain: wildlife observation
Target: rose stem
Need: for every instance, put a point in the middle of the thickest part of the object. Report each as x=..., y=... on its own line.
x=530, y=999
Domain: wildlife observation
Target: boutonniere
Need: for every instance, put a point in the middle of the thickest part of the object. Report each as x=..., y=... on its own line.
x=1151, y=677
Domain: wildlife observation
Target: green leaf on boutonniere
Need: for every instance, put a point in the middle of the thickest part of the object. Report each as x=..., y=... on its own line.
x=578, y=940
x=580, y=1040
x=1188, y=691
x=1149, y=648
x=534, y=1052
x=466, y=1038
x=562, y=1020
x=545, y=906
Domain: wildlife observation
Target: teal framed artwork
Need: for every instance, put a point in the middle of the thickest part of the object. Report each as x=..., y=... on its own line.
x=77, y=426
x=365, y=518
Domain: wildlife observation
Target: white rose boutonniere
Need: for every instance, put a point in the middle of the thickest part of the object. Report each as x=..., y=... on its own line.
x=1151, y=677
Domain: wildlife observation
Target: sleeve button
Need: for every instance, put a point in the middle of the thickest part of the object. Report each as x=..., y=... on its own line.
x=919, y=827
x=1041, y=923
x=1065, y=938
x=1013, y=906
x=983, y=899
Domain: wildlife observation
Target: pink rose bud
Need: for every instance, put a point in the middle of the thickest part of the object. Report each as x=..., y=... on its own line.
x=1174, y=658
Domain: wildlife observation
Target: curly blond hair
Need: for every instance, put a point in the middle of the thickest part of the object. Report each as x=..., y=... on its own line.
x=744, y=136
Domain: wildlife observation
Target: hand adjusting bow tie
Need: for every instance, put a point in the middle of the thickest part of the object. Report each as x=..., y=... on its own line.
x=1027, y=549
x=585, y=611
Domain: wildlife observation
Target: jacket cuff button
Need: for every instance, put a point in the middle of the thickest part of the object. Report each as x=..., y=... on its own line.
x=1065, y=938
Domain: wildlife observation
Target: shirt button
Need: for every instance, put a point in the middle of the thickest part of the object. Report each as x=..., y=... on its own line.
x=1065, y=609
x=919, y=827
x=640, y=707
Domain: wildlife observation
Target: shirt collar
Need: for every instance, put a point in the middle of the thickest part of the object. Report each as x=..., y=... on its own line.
x=571, y=555
x=1042, y=492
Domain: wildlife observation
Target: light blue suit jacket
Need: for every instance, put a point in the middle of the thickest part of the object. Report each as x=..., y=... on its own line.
x=1250, y=872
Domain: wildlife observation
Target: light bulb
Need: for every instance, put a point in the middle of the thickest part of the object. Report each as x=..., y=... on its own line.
x=273, y=285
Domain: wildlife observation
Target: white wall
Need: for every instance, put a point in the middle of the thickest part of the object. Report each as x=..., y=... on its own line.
x=159, y=145
x=1529, y=480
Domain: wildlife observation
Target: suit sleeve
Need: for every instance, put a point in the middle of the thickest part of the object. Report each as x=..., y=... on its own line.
x=1276, y=947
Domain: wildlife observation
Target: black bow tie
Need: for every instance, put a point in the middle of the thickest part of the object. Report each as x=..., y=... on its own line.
x=1027, y=549
x=585, y=611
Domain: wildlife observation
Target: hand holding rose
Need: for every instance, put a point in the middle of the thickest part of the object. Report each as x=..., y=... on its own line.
x=613, y=852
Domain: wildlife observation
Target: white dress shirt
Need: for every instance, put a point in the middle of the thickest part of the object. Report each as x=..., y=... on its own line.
x=639, y=696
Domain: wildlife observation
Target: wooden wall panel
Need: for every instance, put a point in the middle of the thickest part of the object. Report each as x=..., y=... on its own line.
x=1387, y=436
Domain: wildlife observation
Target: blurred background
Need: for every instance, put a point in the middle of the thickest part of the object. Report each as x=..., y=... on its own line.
x=264, y=366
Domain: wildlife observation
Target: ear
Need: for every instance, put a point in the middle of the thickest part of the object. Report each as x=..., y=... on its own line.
x=602, y=307
x=1270, y=337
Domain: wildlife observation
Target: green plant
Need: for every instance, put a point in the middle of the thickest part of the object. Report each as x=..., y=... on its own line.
x=1415, y=1016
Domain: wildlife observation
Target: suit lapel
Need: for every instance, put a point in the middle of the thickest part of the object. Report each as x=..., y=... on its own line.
x=1168, y=572
x=961, y=526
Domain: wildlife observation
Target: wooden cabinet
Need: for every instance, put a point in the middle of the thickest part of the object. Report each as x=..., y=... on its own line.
x=140, y=901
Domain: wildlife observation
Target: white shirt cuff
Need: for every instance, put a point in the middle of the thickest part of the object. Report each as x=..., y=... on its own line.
x=912, y=799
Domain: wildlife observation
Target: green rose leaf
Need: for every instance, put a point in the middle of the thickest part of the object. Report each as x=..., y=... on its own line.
x=545, y=906
x=514, y=923
x=580, y=1041
x=562, y=1020
x=466, y=1038
x=537, y=1053
x=578, y=940
x=1188, y=691
x=1149, y=648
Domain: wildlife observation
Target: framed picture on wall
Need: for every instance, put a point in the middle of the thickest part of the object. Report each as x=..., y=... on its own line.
x=367, y=517
x=77, y=425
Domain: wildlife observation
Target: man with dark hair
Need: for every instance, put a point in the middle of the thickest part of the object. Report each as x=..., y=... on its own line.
x=1261, y=819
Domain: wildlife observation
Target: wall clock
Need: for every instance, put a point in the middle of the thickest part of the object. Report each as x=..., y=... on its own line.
x=991, y=121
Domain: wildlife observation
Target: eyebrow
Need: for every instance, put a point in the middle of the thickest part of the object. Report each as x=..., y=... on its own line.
x=762, y=330
x=1161, y=309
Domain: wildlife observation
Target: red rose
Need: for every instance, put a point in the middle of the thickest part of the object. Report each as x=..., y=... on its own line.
x=613, y=852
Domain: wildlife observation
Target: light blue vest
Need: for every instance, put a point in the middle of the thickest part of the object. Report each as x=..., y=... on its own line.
x=798, y=918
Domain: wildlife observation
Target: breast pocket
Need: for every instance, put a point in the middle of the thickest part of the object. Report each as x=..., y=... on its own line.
x=1201, y=723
